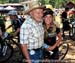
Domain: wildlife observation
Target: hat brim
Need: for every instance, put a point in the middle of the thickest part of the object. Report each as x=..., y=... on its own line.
x=29, y=10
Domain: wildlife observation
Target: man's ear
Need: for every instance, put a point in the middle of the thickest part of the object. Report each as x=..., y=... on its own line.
x=30, y=13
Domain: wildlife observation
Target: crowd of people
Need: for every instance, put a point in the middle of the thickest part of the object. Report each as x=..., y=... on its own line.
x=39, y=35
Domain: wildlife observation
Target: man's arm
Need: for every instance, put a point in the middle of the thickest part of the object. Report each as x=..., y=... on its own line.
x=58, y=42
x=24, y=40
x=25, y=52
x=16, y=32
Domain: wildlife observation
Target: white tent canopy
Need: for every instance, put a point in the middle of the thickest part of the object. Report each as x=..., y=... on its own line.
x=1, y=8
x=9, y=8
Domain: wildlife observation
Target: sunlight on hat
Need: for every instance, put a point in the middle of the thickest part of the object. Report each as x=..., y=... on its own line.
x=34, y=4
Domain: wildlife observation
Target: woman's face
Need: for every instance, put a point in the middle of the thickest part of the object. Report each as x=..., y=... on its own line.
x=48, y=19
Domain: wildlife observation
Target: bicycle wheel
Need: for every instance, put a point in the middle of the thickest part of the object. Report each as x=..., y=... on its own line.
x=6, y=54
x=63, y=50
x=72, y=33
x=20, y=56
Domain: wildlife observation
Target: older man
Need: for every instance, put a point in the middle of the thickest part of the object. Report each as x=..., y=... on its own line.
x=32, y=33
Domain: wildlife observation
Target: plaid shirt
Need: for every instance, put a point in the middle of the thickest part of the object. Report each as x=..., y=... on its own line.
x=32, y=34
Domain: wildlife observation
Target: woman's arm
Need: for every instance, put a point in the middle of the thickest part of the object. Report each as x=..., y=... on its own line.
x=58, y=42
x=50, y=48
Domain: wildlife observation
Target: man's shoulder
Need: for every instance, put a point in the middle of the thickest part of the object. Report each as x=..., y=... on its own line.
x=26, y=24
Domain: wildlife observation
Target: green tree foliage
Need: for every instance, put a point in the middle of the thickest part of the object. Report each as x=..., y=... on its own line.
x=13, y=1
x=57, y=3
x=3, y=1
x=8, y=1
x=42, y=2
x=47, y=1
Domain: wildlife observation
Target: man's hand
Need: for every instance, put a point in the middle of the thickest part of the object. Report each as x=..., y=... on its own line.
x=28, y=61
x=25, y=53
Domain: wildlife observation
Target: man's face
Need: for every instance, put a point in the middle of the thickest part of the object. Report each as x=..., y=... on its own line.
x=37, y=14
x=13, y=17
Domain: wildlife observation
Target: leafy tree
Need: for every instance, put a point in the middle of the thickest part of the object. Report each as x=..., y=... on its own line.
x=57, y=3
x=3, y=1
x=42, y=2
x=13, y=1
x=46, y=1
x=8, y=1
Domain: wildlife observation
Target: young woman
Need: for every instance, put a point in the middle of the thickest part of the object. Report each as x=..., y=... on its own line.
x=52, y=31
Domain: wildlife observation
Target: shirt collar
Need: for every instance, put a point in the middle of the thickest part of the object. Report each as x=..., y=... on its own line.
x=32, y=21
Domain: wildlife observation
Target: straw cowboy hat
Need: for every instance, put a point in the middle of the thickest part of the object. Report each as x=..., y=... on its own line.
x=35, y=4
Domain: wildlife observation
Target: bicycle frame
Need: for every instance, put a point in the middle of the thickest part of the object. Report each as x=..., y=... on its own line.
x=61, y=54
x=6, y=50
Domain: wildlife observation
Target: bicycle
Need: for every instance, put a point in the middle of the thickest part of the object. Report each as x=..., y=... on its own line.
x=6, y=48
x=72, y=30
x=63, y=50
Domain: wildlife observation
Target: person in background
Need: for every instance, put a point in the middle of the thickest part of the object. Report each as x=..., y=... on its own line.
x=51, y=32
x=32, y=33
x=16, y=23
x=65, y=22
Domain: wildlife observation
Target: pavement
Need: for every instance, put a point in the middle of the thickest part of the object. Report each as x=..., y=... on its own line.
x=71, y=52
